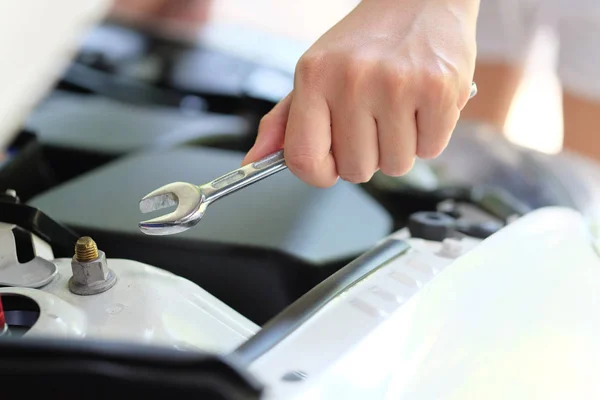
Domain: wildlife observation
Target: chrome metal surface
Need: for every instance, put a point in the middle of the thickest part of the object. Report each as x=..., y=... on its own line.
x=473, y=90
x=192, y=200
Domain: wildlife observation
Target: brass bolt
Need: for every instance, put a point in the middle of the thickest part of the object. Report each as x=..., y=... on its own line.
x=86, y=249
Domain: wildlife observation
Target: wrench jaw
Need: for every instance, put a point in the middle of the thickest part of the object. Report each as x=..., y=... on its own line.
x=190, y=209
x=155, y=227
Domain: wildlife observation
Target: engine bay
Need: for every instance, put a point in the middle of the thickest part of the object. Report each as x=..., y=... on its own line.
x=283, y=291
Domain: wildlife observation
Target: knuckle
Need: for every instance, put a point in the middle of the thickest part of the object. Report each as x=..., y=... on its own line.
x=310, y=67
x=352, y=69
x=436, y=81
x=265, y=121
x=352, y=76
x=394, y=76
x=357, y=67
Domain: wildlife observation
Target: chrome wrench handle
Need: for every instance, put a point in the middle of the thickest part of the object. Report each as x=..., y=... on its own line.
x=242, y=177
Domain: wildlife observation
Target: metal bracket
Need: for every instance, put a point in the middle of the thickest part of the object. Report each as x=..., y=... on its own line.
x=32, y=274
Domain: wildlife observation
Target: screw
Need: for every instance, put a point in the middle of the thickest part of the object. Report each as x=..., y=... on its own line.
x=86, y=249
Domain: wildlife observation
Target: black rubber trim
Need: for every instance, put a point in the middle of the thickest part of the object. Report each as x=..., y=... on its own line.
x=76, y=369
x=431, y=225
x=121, y=88
x=61, y=238
x=306, y=306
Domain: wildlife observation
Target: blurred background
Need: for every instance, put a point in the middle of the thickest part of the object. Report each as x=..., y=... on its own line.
x=535, y=120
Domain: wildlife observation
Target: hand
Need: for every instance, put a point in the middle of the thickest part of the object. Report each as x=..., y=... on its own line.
x=383, y=86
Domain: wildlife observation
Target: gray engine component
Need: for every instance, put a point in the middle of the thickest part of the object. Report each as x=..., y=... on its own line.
x=281, y=213
x=105, y=126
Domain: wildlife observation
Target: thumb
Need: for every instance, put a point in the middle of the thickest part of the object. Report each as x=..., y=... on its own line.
x=271, y=131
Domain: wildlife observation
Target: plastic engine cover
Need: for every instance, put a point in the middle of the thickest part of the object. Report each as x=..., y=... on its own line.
x=279, y=213
x=105, y=126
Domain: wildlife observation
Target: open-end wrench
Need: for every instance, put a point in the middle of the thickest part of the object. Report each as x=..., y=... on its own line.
x=192, y=200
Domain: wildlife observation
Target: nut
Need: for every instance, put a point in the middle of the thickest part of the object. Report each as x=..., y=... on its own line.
x=89, y=272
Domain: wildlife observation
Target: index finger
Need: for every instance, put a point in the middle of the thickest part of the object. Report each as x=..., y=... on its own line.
x=308, y=139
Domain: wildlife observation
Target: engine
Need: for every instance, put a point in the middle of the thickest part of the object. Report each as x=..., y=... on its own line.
x=421, y=308
x=474, y=276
